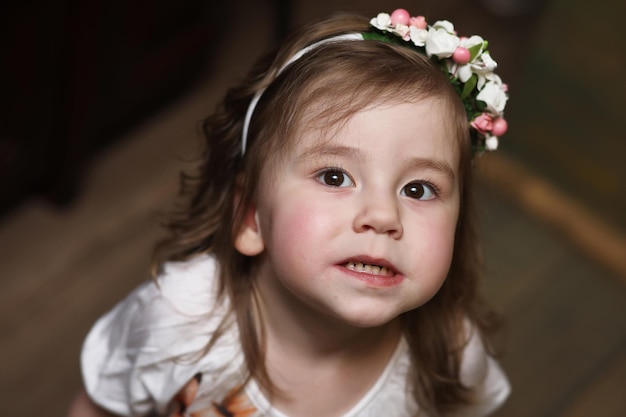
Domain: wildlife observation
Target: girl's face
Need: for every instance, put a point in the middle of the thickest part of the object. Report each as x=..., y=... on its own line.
x=359, y=227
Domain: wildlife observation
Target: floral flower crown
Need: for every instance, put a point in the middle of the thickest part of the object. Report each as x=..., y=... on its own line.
x=467, y=63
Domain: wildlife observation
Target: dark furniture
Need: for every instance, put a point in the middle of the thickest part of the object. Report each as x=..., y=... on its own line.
x=75, y=74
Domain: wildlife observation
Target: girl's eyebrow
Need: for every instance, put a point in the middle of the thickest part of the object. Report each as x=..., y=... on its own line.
x=433, y=165
x=323, y=149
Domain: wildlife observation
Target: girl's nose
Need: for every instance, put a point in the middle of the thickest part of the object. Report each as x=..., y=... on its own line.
x=380, y=215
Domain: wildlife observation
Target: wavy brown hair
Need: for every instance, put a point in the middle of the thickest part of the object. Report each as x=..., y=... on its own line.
x=323, y=89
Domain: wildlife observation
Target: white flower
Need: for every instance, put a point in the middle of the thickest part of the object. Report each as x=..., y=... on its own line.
x=484, y=77
x=493, y=78
x=441, y=43
x=483, y=66
x=402, y=30
x=445, y=25
x=473, y=41
x=491, y=143
x=418, y=36
x=464, y=72
x=382, y=21
x=494, y=97
x=488, y=62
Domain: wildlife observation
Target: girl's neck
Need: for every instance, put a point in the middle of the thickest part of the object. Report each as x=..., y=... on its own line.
x=319, y=340
x=311, y=357
x=302, y=331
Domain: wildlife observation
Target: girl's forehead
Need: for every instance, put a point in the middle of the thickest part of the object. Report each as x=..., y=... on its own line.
x=323, y=124
x=419, y=128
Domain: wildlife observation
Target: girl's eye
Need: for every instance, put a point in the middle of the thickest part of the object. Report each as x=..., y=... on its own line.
x=335, y=178
x=419, y=191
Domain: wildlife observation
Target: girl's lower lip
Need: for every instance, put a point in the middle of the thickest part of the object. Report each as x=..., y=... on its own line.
x=374, y=280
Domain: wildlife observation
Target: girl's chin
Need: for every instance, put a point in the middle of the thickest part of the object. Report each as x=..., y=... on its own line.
x=372, y=318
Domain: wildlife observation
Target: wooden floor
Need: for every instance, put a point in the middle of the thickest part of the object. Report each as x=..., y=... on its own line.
x=60, y=270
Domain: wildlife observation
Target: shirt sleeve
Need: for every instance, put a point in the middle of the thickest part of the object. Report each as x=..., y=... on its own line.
x=138, y=355
x=483, y=373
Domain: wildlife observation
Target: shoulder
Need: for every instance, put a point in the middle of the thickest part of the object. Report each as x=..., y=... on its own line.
x=481, y=372
x=177, y=298
x=139, y=354
x=188, y=288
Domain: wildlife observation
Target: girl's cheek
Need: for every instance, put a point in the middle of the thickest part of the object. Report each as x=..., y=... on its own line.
x=300, y=222
x=304, y=221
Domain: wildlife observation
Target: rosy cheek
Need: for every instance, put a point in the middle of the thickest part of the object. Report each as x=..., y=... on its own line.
x=294, y=222
x=438, y=235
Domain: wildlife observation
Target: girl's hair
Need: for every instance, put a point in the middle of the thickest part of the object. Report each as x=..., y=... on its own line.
x=322, y=90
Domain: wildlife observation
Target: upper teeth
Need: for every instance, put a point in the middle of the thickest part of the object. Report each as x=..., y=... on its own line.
x=367, y=268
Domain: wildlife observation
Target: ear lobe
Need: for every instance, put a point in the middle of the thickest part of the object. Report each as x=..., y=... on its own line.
x=249, y=241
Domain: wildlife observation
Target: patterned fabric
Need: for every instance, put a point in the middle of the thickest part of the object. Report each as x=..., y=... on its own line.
x=236, y=403
x=147, y=356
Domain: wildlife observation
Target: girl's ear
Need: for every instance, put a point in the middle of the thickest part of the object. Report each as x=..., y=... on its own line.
x=249, y=241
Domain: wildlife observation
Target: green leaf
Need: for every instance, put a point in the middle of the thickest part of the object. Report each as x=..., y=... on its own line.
x=378, y=35
x=474, y=50
x=469, y=86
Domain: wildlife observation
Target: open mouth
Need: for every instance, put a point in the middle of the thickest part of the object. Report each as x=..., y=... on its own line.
x=372, y=269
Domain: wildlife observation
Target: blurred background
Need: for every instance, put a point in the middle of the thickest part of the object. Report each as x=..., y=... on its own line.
x=100, y=109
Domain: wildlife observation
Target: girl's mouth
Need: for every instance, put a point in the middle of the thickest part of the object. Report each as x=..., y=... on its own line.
x=372, y=269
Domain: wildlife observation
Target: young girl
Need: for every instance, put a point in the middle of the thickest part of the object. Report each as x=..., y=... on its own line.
x=325, y=263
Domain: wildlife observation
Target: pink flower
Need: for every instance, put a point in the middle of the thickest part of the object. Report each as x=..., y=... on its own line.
x=483, y=123
x=419, y=22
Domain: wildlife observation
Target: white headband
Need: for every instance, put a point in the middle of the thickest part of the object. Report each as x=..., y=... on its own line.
x=298, y=55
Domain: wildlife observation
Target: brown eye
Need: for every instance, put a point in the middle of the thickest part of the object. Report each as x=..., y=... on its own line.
x=419, y=191
x=335, y=178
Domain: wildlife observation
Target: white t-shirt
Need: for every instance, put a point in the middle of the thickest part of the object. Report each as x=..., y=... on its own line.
x=140, y=355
